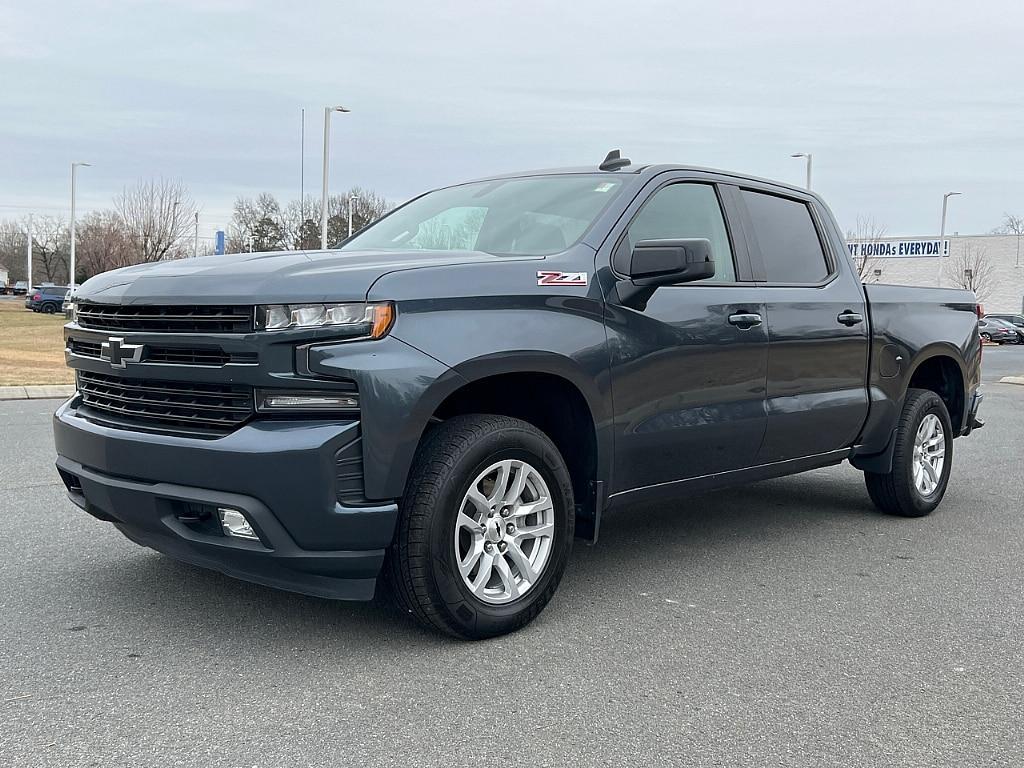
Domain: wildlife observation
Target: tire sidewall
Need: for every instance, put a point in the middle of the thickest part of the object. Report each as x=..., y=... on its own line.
x=925, y=504
x=468, y=612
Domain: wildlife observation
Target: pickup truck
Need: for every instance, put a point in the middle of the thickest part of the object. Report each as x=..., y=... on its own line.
x=451, y=396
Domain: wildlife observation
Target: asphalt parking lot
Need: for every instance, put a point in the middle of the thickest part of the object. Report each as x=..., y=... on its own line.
x=786, y=623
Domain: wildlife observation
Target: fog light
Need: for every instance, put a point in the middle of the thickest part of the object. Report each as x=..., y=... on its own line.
x=234, y=524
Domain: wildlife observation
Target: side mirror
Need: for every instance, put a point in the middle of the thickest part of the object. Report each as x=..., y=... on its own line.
x=667, y=262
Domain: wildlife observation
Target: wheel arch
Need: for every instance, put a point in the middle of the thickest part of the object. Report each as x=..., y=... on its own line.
x=940, y=368
x=548, y=390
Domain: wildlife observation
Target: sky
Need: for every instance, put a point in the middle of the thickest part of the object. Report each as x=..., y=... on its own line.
x=899, y=101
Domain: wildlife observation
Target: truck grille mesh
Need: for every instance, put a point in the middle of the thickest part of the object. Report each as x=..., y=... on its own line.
x=175, y=405
x=154, y=353
x=199, y=318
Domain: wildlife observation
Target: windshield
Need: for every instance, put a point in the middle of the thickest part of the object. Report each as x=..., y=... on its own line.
x=530, y=216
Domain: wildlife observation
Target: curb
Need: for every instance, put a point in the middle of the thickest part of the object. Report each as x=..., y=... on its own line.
x=37, y=392
x=1012, y=380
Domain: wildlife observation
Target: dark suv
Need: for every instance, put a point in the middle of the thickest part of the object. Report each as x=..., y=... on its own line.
x=47, y=299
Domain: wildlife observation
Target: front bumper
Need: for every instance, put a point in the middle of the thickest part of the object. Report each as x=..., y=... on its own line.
x=281, y=474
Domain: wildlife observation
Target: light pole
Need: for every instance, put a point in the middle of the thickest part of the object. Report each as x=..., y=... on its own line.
x=74, y=173
x=302, y=165
x=942, y=234
x=351, y=200
x=808, y=156
x=327, y=159
x=28, y=255
x=195, y=244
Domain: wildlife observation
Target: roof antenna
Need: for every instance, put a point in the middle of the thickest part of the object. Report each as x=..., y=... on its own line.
x=613, y=161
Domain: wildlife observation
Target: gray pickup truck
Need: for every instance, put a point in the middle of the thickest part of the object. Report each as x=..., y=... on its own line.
x=458, y=391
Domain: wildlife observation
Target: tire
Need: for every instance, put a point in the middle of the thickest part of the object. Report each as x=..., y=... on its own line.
x=48, y=309
x=897, y=492
x=423, y=561
x=986, y=337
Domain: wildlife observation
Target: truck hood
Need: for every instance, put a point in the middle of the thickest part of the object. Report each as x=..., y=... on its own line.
x=249, y=278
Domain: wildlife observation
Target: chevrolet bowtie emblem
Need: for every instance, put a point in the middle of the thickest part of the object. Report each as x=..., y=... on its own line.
x=119, y=354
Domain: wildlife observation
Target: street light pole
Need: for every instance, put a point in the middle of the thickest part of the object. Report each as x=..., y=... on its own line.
x=351, y=200
x=74, y=171
x=942, y=234
x=808, y=156
x=195, y=244
x=28, y=255
x=327, y=162
x=302, y=166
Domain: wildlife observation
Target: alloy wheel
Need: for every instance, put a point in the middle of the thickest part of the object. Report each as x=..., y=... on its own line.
x=504, y=531
x=929, y=455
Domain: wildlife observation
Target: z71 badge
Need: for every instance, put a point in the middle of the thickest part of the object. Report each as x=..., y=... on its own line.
x=561, y=278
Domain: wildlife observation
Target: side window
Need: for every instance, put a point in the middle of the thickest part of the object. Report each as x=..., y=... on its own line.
x=685, y=211
x=787, y=238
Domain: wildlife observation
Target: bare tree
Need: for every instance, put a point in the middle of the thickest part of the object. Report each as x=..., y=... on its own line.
x=103, y=243
x=1011, y=225
x=866, y=232
x=50, y=248
x=263, y=224
x=257, y=224
x=971, y=270
x=157, y=215
x=13, y=239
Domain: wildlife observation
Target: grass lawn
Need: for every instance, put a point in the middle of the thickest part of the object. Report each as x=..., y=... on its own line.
x=31, y=346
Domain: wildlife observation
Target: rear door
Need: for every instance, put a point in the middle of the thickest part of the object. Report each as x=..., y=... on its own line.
x=817, y=323
x=688, y=367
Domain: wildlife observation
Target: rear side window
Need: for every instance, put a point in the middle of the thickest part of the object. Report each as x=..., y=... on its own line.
x=787, y=239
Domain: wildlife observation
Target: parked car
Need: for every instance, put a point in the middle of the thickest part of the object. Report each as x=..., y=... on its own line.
x=1017, y=333
x=1017, y=321
x=4, y=288
x=998, y=331
x=464, y=386
x=67, y=304
x=20, y=288
x=47, y=299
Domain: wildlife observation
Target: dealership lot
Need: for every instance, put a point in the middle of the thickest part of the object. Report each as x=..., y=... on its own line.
x=786, y=623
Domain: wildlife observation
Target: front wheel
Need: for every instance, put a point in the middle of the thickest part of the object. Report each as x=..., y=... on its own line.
x=922, y=458
x=486, y=527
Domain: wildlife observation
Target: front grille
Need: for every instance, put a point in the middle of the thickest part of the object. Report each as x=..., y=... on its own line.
x=199, y=318
x=84, y=348
x=154, y=353
x=175, y=405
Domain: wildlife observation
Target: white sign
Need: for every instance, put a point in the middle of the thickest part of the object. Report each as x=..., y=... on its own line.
x=898, y=249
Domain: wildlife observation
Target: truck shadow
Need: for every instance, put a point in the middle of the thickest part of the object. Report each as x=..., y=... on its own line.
x=649, y=545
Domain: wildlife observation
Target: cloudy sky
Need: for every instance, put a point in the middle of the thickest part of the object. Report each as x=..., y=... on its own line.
x=898, y=101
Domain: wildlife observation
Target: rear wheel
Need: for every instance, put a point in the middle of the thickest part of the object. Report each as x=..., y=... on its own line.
x=49, y=309
x=486, y=527
x=922, y=459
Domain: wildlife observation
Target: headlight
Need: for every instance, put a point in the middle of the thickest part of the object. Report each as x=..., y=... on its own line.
x=360, y=321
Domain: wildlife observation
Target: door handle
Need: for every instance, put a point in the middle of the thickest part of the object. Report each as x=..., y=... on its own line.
x=850, y=318
x=745, y=320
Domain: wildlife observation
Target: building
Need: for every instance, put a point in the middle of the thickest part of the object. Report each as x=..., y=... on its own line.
x=992, y=265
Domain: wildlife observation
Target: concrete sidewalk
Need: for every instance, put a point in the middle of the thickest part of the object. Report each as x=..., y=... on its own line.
x=37, y=392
